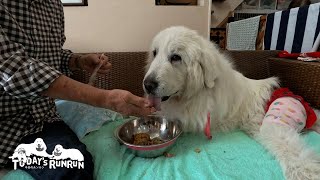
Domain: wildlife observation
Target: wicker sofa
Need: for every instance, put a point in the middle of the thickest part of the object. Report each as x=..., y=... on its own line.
x=228, y=156
x=301, y=77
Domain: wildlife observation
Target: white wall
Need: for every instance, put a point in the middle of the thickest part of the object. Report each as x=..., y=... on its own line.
x=127, y=25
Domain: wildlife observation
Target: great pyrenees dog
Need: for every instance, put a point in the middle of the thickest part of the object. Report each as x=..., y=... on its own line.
x=191, y=78
x=61, y=153
x=37, y=148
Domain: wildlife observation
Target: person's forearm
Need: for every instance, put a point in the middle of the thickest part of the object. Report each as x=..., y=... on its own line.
x=69, y=89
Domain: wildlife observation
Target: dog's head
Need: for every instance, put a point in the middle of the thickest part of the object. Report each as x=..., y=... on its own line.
x=40, y=145
x=180, y=63
x=57, y=150
x=21, y=151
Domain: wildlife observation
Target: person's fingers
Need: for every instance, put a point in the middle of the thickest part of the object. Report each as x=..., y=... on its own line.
x=137, y=101
x=104, y=69
x=105, y=58
x=103, y=73
x=146, y=111
x=153, y=110
x=94, y=59
x=106, y=66
x=148, y=103
x=89, y=68
x=92, y=63
x=138, y=111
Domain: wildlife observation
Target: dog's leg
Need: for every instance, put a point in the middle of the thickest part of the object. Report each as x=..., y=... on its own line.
x=252, y=125
x=297, y=161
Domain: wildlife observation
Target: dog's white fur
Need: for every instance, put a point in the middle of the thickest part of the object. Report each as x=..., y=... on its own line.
x=205, y=81
x=31, y=149
x=60, y=153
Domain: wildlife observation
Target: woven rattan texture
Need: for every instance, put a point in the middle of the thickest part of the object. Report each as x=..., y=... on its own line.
x=301, y=77
x=127, y=72
x=252, y=64
x=128, y=69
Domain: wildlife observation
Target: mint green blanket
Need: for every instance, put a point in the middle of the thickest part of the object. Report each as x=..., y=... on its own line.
x=227, y=156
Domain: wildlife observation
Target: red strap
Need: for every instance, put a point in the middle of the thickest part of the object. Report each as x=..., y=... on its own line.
x=286, y=54
x=207, y=131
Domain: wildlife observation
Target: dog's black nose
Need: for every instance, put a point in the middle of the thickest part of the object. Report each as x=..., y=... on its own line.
x=150, y=84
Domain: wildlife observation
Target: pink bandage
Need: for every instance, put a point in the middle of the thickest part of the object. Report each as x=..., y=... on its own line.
x=287, y=111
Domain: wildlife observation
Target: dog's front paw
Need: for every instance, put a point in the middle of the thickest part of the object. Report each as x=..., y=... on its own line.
x=50, y=156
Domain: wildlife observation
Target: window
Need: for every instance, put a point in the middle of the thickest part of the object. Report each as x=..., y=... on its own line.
x=75, y=2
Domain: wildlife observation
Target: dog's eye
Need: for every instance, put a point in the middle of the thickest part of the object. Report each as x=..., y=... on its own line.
x=175, y=58
x=154, y=53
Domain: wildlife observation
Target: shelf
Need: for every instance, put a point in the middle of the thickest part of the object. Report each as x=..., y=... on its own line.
x=256, y=11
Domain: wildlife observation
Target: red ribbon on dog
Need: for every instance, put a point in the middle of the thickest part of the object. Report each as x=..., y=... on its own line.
x=207, y=131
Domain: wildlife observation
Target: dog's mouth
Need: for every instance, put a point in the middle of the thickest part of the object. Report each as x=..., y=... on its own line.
x=155, y=101
x=39, y=149
x=57, y=153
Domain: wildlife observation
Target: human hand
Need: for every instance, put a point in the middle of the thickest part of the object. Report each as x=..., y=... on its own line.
x=89, y=62
x=128, y=104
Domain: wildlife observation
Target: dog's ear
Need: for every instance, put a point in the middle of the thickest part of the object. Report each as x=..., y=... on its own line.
x=208, y=63
x=195, y=77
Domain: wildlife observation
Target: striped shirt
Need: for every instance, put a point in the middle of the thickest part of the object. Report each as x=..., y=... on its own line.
x=31, y=58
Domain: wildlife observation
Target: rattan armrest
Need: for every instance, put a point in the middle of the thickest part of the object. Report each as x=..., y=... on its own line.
x=303, y=78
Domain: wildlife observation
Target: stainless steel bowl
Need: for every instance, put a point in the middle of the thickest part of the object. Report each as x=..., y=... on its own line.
x=157, y=127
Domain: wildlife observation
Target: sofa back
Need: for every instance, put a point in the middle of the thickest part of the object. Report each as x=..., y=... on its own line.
x=127, y=72
x=128, y=69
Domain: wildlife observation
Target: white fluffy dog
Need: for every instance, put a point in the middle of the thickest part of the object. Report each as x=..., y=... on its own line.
x=38, y=148
x=20, y=154
x=60, y=153
x=41, y=148
x=193, y=78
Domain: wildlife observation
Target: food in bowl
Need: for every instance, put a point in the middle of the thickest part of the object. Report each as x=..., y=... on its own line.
x=149, y=136
x=144, y=139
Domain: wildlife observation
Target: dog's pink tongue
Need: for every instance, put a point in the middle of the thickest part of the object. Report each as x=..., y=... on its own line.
x=155, y=102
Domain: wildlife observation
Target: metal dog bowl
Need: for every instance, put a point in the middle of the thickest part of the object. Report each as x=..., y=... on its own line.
x=156, y=127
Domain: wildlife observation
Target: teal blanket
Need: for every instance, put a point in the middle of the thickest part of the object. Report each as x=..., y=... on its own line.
x=226, y=157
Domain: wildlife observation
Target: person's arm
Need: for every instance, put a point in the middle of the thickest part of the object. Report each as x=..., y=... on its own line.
x=67, y=58
x=24, y=77
x=69, y=89
x=20, y=75
x=117, y=100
